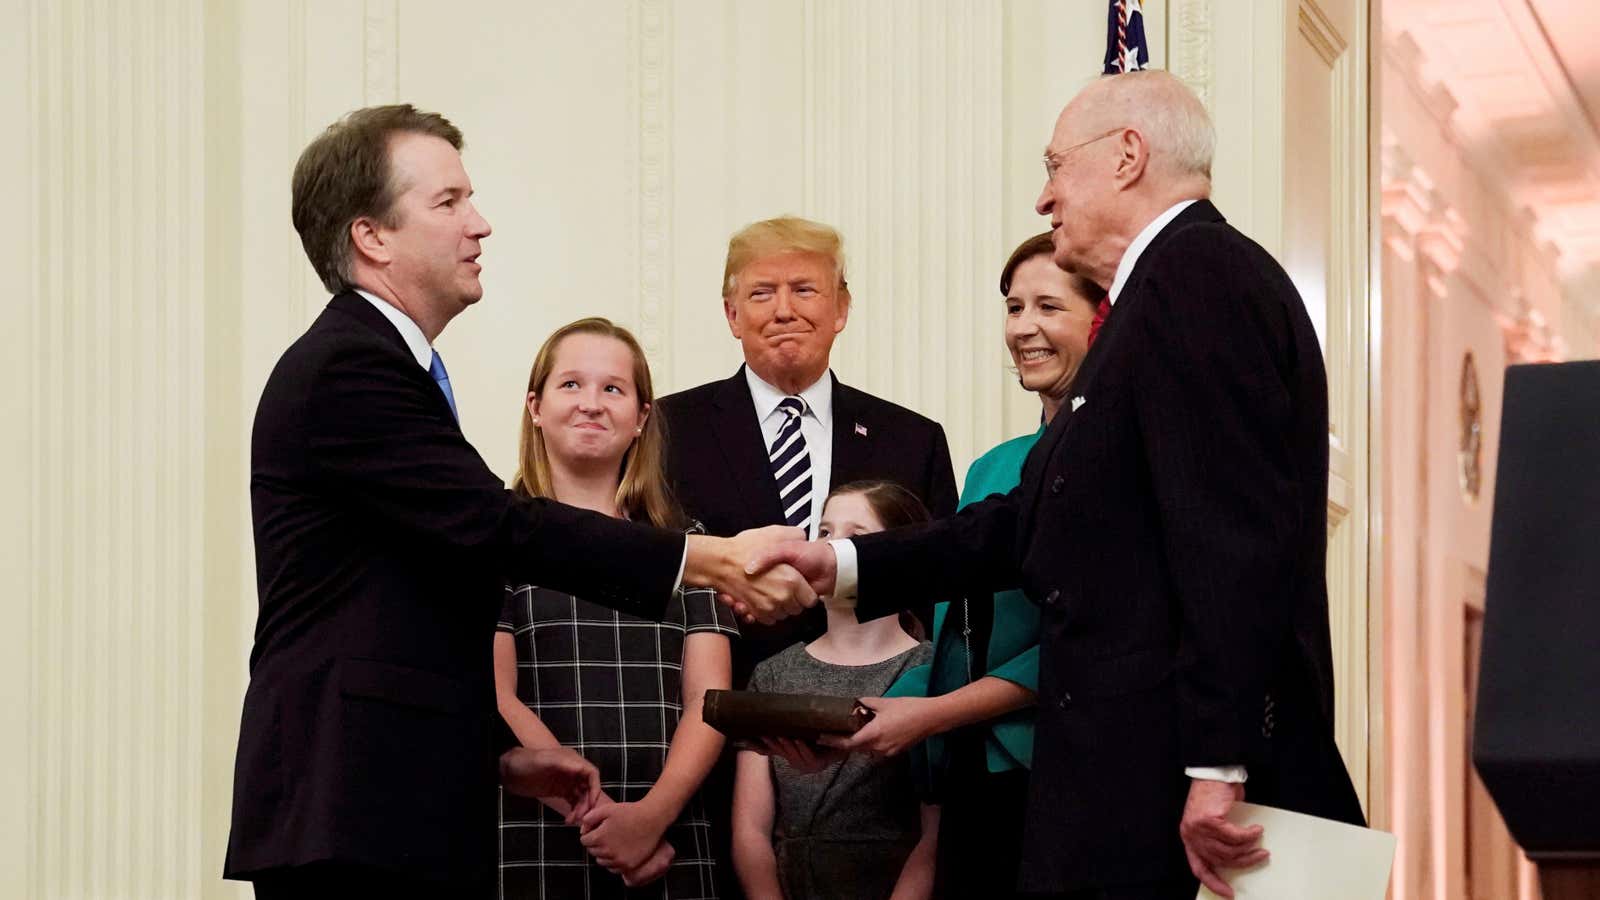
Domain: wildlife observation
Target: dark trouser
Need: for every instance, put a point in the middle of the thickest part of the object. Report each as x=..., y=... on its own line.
x=1182, y=889
x=980, y=829
x=340, y=881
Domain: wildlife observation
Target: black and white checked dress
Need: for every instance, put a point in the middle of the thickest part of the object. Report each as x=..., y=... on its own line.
x=608, y=685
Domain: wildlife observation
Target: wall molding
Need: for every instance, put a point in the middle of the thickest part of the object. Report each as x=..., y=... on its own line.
x=381, y=62
x=118, y=444
x=1190, y=49
x=650, y=167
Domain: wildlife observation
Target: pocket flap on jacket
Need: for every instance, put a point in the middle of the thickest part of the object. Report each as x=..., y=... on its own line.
x=376, y=679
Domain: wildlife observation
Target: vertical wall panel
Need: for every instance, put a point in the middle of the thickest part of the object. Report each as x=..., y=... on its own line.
x=117, y=449
x=903, y=113
x=20, y=760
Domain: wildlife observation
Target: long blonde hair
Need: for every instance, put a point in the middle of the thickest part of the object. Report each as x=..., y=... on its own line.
x=642, y=492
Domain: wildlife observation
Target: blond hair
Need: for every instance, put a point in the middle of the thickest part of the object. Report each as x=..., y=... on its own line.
x=642, y=492
x=785, y=234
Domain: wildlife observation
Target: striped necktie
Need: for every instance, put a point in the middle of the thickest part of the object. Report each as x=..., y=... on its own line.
x=791, y=466
x=442, y=379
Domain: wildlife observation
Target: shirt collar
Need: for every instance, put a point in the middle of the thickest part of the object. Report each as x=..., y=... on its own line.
x=818, y=397
x=416, y=342
x=1131, y=256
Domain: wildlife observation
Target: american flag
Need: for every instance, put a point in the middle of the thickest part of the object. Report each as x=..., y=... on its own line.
x=1126, y=48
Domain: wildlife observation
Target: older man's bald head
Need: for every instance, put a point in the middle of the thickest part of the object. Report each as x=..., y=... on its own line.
x=1154, y=103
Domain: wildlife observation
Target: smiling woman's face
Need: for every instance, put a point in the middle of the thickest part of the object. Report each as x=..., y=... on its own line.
x=1047, y=326
x=588, y=409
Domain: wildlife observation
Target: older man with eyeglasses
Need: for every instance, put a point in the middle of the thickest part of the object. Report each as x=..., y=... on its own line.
x=1171, y=524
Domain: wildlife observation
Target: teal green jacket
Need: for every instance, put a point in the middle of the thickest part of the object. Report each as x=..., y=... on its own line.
x=1013, y=643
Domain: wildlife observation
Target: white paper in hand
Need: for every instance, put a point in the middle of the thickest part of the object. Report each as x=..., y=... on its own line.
x=1312, y=859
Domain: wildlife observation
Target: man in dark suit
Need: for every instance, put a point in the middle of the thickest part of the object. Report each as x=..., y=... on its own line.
x=785, y=298
x=765, y=446
x=1171, y=524
x=367, y=748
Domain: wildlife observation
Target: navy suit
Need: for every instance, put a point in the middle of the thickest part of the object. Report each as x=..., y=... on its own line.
x=717, y=463
x=1172, y=525
x=383, y=542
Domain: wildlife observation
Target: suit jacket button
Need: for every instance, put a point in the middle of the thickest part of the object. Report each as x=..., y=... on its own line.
x=1066, y=699
x=1055, y=486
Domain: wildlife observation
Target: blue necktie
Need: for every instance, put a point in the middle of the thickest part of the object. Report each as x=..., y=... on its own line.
x=442, y=379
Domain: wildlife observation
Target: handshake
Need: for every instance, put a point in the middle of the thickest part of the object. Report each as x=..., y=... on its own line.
x=763, y=574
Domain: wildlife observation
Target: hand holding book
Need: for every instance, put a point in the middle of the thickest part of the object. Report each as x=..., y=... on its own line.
x=752, y=715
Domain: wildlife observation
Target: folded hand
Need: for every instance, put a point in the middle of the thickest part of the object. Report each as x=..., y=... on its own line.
x=552, y=772
x=653, y=868
x=622, y=836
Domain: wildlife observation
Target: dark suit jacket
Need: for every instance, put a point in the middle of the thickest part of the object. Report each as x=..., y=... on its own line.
x=383, y=543
x=1172, y=526
x=717, y=463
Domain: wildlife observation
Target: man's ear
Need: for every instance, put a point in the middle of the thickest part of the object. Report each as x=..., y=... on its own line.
x=369, y=242
x=842, y=313
x=730, y=308
x=1133, y=157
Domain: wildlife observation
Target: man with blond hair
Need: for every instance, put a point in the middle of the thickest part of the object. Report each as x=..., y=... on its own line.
x=1171, y=524
x=785, y=298
x=765, y=446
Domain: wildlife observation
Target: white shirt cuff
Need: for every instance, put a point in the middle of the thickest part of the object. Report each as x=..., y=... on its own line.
x=682, y=564
x=1229, y=774
x=846, y=577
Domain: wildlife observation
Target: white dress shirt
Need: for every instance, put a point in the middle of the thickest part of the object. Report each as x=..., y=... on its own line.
x=848, y=578
x=1136, y=248
x=816, y=426
x=415, y=340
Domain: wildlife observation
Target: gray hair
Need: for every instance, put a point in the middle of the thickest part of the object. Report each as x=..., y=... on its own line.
x=1166, y=112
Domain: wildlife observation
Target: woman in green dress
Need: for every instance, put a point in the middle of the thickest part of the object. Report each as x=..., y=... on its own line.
x=969, y=714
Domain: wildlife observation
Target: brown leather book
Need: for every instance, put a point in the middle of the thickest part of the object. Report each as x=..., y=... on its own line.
x=748, y=715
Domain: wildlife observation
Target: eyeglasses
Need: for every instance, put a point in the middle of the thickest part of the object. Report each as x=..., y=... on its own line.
x=1052, y=161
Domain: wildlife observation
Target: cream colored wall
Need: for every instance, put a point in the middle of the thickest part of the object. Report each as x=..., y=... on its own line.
x=614, y=146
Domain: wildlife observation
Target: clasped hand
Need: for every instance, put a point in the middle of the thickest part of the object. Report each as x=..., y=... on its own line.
x=626, y=838
x=755, y=571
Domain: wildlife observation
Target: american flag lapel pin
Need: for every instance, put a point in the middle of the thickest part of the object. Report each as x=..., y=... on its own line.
x=861, y=429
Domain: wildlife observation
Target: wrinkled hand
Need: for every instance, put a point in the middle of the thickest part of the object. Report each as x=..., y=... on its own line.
x=898, y=723
x=1211, y=841
x=814, y=561
x=766, y=593
x=554, y=772
x=802, y=756
x=622, y=836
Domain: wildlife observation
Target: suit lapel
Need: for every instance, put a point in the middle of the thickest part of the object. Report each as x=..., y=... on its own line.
x=1105, y=342
x=744, y=449
x=852, y=442
x=357, y=307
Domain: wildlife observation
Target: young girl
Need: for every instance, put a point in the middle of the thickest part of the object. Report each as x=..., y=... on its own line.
x=624, y=692
x=812, y=824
